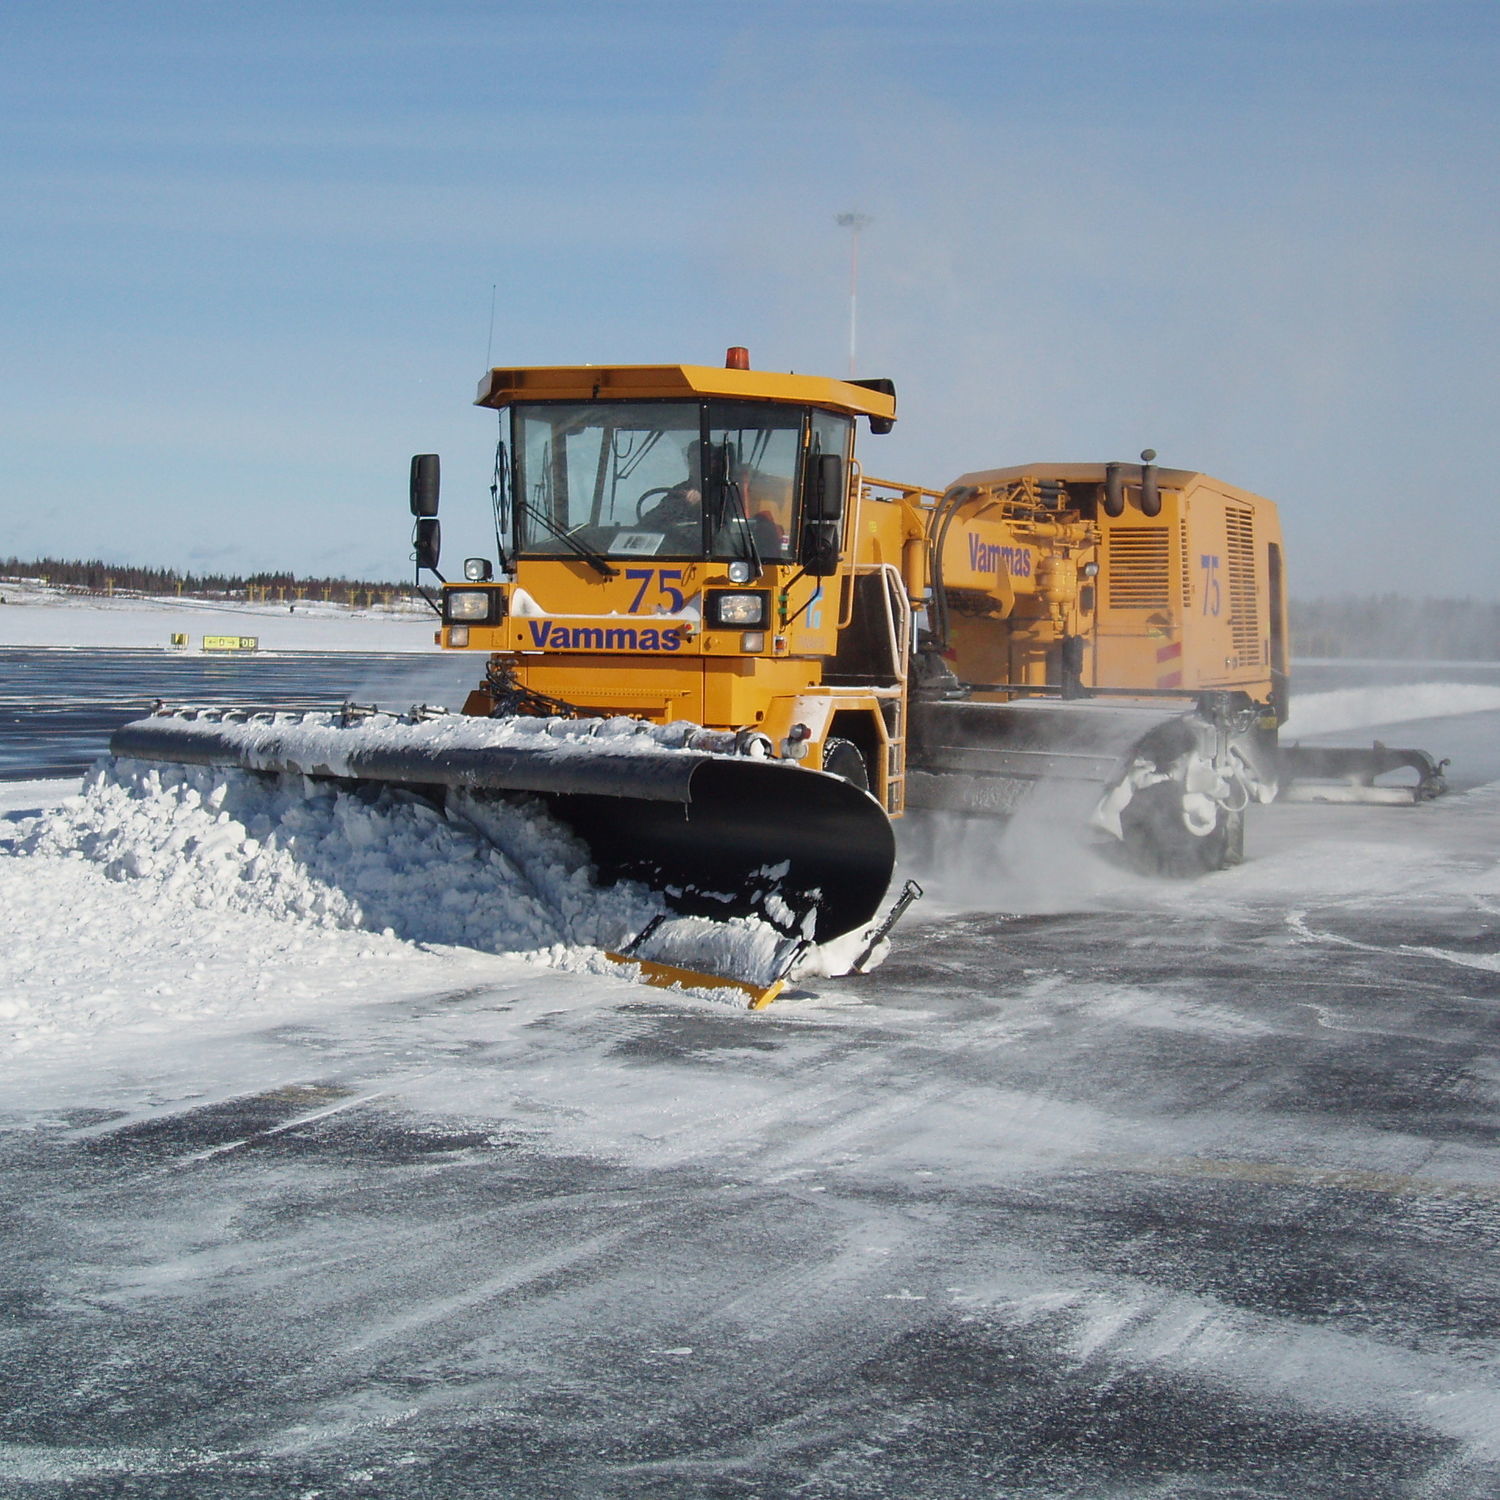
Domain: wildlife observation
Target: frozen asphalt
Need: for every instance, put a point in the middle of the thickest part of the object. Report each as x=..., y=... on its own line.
x=1194, y=1201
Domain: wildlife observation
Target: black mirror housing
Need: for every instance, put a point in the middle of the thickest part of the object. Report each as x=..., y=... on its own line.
x=880, y=425
x=825, y=488
x=424, y=484
x=427, y=541
x=820, y=549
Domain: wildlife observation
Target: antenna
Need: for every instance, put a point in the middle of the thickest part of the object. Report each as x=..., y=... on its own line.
x=853, y=222
x=489, y=348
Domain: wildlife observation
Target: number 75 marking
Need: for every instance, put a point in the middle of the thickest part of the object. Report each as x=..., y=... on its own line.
x=1212, y=599
x=663, y=588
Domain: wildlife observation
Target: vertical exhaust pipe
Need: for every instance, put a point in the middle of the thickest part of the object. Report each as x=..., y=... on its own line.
x=1114, y=489
x=1150, y=491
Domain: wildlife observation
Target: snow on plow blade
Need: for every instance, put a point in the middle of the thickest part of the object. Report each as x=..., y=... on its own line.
x=716, y=834
x=1337, y=773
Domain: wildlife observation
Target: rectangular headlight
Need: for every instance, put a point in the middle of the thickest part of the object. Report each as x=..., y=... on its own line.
x=478, y=606
x=726, y=609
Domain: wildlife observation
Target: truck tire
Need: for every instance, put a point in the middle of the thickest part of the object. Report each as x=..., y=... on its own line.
x=841, y=758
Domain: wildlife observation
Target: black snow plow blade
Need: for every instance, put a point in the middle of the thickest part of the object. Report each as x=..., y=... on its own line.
x=719, y=835
x=737, y=820
x=1336, y=773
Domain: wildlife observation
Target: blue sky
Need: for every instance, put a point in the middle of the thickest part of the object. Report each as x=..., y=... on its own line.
x=249, y=251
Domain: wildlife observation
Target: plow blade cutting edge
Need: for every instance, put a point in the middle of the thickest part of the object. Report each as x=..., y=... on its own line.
x=717, y=835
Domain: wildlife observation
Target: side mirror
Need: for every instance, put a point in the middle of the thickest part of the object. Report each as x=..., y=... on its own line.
x=820, y=549
x=427, y=542
x=886, y=388
x=825, y=488
x=424, y=484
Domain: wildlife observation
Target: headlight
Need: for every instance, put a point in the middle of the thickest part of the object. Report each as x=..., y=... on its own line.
x=476, y=606
x=727, y=609
x=478, y=569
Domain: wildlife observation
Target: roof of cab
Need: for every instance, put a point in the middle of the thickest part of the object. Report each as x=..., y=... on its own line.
x=501, y=386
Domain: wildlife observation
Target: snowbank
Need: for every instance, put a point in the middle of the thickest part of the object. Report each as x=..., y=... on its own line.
x=235, y=869
x=196, y=892
x=499, y=876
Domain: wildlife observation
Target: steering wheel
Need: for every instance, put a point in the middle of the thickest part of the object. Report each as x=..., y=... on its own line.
x=640, y=505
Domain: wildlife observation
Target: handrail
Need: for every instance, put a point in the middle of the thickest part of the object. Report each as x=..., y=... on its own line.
x=847, y=567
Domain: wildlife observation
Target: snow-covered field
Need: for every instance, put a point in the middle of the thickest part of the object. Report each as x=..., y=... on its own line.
x=35, y=615
x=350, y=1167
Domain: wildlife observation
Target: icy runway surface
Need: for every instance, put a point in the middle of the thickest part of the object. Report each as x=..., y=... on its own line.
x=1151, y=1191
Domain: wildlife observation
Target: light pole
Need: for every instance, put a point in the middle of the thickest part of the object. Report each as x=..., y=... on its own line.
x=853, y=222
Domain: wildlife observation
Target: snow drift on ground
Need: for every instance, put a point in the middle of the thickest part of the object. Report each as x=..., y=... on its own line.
x=278, y=865
x=499, y=876
x=217, y=860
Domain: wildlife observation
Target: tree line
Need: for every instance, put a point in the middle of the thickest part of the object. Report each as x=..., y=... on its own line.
x=1395, y=627
x=98, y=577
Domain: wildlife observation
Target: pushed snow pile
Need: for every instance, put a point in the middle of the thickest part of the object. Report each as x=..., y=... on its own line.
x=499, y=876
x=1365, y=707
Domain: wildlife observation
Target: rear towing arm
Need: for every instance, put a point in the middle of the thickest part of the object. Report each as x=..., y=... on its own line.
x=1338, y=773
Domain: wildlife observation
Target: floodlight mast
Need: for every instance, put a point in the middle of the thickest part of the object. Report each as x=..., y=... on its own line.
x=853, y=222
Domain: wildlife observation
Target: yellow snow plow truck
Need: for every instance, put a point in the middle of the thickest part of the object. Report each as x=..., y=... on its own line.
x=728, y=658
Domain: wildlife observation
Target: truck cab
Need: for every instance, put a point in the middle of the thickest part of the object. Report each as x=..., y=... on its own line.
x=689, y=543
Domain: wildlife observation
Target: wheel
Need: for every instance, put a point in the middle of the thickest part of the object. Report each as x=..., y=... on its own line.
x=841, y=758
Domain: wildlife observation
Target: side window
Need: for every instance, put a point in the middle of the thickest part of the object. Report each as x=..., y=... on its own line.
x=830, y=434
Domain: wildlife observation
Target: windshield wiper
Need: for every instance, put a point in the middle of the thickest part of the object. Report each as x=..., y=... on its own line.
x=740, y=521
x=595, y=560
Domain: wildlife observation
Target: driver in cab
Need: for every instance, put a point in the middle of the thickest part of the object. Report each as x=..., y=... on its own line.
x=679, y=512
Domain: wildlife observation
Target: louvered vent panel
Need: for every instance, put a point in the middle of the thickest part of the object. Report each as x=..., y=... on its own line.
x=1244, y=619
x=1139, y=567
x=1184, y=572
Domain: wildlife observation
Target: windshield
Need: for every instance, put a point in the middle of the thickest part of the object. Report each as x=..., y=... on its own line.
x=683, y=479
